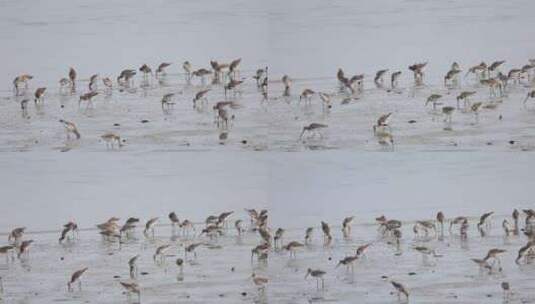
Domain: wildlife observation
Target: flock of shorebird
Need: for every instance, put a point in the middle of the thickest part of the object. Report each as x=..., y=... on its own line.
x=350, y=88
x=186, y=237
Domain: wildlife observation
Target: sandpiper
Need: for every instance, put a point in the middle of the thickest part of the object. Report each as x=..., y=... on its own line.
x=75, y=277
x=21, y=79
x=39, y=95
x=132, y=288
x=314, y=128
x=433, y=98
x=400, y=289
x=111, y=139
x=70, y=127
x=132, y=266
x=292, y=248
x=260, y=282
x=318, y=275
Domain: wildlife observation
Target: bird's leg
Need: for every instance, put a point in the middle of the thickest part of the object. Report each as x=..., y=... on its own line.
x=80, y=284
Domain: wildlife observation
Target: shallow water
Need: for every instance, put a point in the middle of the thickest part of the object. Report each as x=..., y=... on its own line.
x=175, y=161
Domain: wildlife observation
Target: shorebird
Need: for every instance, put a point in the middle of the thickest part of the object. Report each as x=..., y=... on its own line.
x=475, y=109
x=72, y=77
x=433, y=98
x=24, y=249
x=362, y=249
x=180, y=264
x=132, y=288
x=494, y=66
x=8, y=250
x=394, y=79
x=222, y=218
x=200, y=96
x=233, y=85
x=464, y=96
x=349, y=262
x=111, y=139
x=21, y=79
x=108, y=83
x=506, y=287
x=400, y=289
x=186, y=227
x=418, y=72
x=265, y=235
x=186, y=66
x=260, y=282
x=426, y=253
x=308, y=235
x=161, y=69
x=484, y=220
x=325, y=101
x=287, y=82
x=93, y=82
x=483, y=265
x=174, y=219
x=515, y=216
x=306, y=95
x=202, y=73
x=191, y=248
x=463, y=230
x=69, y=227
x=425, y=226
x=64, y=83
x=378, y=80
x=478, y=70
x=125, y=77
x=318, y=275
x=382, y=123
x=146, y=70
x=457, y=221
x=16, y=235
x=233, y=71
x=75, y=277
x=448, y=111
x=314, y=128
x=132, y=266
x=39, y=95
x=495, y=86
x=494, y=254
x=507, y=227
x=524, y=250
x=258, y=250
x=346, y=226
x=159, y=254
x=452, y=78
x=292, y=248
x=70, y=128
x=88, y=98
x=440, y=219
x=277, y=239
x=327, y=237
x=260, y=76
x=149, y=226
x=167, y=101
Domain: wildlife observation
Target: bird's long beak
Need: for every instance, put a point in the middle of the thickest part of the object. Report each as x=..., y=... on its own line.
x=306, y=275
x=302, y=133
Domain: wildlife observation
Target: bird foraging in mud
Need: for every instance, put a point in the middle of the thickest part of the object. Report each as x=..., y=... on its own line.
x=313, y=128
x=70, y=128
x=76, y=277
